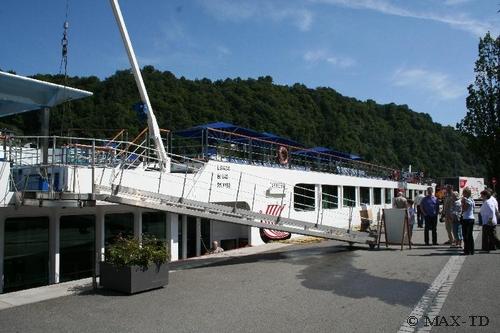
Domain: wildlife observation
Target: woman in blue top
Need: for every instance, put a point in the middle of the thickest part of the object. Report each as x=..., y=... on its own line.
x=468, y=221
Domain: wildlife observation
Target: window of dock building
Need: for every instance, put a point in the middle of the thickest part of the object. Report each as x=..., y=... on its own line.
x=205, y=236
x=154, y=224
x=329, y=196
x=115, y=225
x=26, y=256
x=388, y=195
x=191, y=236
x=377, y=196
x=76, y=246
x=304, y=197
x=349, y=196
x=364, y=193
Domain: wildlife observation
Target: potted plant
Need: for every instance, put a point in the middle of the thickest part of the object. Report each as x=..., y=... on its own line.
x=132, y=266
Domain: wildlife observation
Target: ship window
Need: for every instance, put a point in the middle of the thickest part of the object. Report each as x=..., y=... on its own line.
x=154, y=224
x=304, y=197
x=364, y=193
x=349, y=196
x=329, y=196
x=388, y=195
x=26, y=256
x=377, y=196
x=76, y=251
x=118, y=225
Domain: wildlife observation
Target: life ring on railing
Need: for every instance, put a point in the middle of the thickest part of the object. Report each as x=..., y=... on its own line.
x=282, y=155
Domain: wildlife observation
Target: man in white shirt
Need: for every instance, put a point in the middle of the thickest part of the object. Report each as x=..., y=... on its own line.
x=489, y=219
x=420, y=217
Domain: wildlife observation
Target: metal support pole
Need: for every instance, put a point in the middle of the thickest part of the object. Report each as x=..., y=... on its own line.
x=52, y=173
x=350, y=219
x=152, y=123
x=159, y=181
x=237, y=192
x=281, y=204
x=290, y=205
x=210, y=188
x=253, y=199
x=45, y=135
x=93, y=166
x=319, y=200
x=6, y=137
x=122, y=170
x=183, y=186
x=250, y=151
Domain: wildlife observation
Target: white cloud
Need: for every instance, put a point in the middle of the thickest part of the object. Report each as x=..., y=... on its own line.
x=317, y=56
x=458, y=21
x=246, y=10
x=435, y=83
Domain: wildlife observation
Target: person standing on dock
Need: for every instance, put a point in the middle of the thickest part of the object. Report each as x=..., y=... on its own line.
x=457, y=223
x=399, y=201
x=448, y=203
x=467, y=221
x=430, y=209
x=488, y=215
x=420, y=217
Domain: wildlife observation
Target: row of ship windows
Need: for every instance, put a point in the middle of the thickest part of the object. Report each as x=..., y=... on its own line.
x=332, y=196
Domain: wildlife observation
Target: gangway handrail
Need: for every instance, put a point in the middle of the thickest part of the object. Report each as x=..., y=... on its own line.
x=140, y=198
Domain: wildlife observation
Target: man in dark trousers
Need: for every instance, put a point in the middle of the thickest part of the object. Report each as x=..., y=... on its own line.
x=430, y=209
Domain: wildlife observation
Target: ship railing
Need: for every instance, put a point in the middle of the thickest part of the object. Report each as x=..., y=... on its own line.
x=42, y=153
x=28, y=151
x=233, y=147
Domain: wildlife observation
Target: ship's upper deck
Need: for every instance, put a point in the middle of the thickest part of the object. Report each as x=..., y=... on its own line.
x=228, y=142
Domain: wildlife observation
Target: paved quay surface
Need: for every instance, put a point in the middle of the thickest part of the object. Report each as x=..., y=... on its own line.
x=320, y=287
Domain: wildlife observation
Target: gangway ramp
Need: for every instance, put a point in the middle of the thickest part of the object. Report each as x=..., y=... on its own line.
x=139, y=198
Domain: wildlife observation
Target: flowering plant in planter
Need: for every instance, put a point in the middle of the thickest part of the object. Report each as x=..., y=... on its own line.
x=133, y=266
x=127, y=251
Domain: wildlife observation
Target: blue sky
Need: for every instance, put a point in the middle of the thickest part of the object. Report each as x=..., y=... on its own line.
x=415, y=52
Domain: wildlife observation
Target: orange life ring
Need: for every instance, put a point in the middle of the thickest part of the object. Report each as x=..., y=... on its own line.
x=282, y=155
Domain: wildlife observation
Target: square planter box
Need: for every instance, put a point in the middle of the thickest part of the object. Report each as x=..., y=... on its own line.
x=133, y=279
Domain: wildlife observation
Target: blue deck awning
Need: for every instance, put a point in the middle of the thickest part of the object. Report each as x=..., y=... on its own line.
x=197, y=131
x=21, y=94
x=242, y=134
x=281, y=140
x=239, y=134
x=323, y=153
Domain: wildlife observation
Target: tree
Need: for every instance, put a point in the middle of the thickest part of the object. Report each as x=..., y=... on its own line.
x=482, y=120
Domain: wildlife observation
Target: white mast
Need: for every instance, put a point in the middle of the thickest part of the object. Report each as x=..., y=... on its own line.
x=154, y=130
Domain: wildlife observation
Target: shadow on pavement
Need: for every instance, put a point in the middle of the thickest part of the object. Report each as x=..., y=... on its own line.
x=344, y=279
x=330, y=268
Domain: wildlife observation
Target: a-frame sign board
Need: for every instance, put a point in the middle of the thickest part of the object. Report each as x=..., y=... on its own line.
x=394, y=226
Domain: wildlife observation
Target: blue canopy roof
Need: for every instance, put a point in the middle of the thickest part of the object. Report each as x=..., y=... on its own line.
x=247, y=134
x=197, y=131
x=21, y=94
x=278, y=139
x=319, y=152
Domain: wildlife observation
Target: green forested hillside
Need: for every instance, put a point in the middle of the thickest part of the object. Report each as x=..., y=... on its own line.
x=389, y=134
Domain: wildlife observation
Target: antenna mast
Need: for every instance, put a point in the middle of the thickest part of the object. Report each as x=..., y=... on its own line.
x=154, y=130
